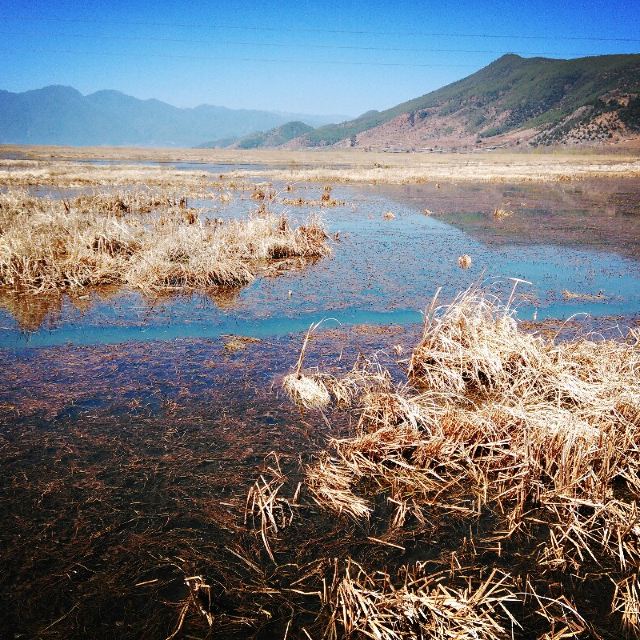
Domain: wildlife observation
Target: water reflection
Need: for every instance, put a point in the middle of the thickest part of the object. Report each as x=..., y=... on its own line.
x=581, y=238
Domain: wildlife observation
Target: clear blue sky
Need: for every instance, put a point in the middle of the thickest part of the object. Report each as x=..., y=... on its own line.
x=311, y=57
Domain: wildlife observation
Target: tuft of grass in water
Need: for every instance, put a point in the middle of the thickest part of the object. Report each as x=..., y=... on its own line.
x=464, y=261
x=500, y=213
x=234, y=344
x=530, y=446
x=144, y=241
x=572, y=295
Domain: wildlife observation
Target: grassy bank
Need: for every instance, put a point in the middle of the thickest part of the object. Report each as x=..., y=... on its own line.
x=69, y=166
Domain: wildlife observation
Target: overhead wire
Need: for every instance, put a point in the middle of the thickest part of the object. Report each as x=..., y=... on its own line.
x=305, y=45
x=217, y=26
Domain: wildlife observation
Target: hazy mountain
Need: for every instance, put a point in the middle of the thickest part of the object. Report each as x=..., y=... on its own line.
x=511, y=101
x=62, y=115
x=274, y=137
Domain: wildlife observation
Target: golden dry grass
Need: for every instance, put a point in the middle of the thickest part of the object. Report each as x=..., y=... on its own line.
x=60, y=166
x=464, y=261
x=141, y=240
x=537, y=437
x=500, y=213
x=416, y=604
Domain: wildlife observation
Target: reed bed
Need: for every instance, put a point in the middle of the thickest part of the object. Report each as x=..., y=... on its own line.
x=142, y=240
x=69, y=168
x=69, y=174
x=452, y=169
x=527, y=447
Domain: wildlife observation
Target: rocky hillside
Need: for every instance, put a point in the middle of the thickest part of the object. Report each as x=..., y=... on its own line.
x=514, y=100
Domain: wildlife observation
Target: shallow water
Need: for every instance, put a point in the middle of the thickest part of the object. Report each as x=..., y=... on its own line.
x=126, y=469
x=130, y=437
x=382, y=271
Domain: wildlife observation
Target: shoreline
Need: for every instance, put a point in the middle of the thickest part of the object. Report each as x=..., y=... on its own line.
x=338, y=166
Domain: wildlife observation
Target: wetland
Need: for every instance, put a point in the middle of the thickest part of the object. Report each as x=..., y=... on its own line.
x=455, y=454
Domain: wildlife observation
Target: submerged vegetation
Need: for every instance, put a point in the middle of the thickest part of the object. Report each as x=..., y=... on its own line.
x=148, y=241
x=484, y=488
x=518, y=457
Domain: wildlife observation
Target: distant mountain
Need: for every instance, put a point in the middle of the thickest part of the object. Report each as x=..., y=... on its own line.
x=511, y=101
x=62, y=115
x=274, y=137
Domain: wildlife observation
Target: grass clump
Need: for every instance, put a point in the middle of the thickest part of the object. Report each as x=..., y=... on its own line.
x=464, y=261
x=149, y=242
x=372, y=606
x=511, y=452
x=500, y=213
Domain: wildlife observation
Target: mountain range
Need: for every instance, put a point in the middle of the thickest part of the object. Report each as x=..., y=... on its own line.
x=62, y=115
x=512, y=101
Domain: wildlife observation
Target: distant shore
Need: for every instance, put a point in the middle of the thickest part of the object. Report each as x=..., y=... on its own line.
x=341, y=166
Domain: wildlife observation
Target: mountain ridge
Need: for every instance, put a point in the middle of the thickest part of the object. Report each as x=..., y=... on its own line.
x=510, y=101
x=60, y=114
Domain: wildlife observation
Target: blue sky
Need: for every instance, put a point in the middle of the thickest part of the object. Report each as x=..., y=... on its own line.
x=310, y=57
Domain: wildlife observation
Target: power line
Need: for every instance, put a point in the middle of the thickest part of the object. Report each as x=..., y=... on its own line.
x=305, y=45
x=240, y=59
x=317, y=30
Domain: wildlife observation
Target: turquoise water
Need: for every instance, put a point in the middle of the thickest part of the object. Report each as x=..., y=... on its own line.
x=380, y=272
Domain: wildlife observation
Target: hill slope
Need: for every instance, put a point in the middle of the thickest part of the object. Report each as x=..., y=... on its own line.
x=62, y=115
x=274, y=137
x=514, y=99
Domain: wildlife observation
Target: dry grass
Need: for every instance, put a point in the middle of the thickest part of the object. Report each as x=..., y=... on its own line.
x=500, y=213
x=422, y=606
x=234, y=344
x=59, y=167
x=540, y=439
x=268, y=510
x=573, y=295
x=464, y=261
x=141, y=240
x=70, y=175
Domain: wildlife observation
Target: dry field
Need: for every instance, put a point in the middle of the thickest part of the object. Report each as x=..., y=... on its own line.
x=68, y=166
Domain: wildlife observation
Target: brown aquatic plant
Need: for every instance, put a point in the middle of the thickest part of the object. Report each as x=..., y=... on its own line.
x=140, y=240
x=266, y=506
x=464, y=261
